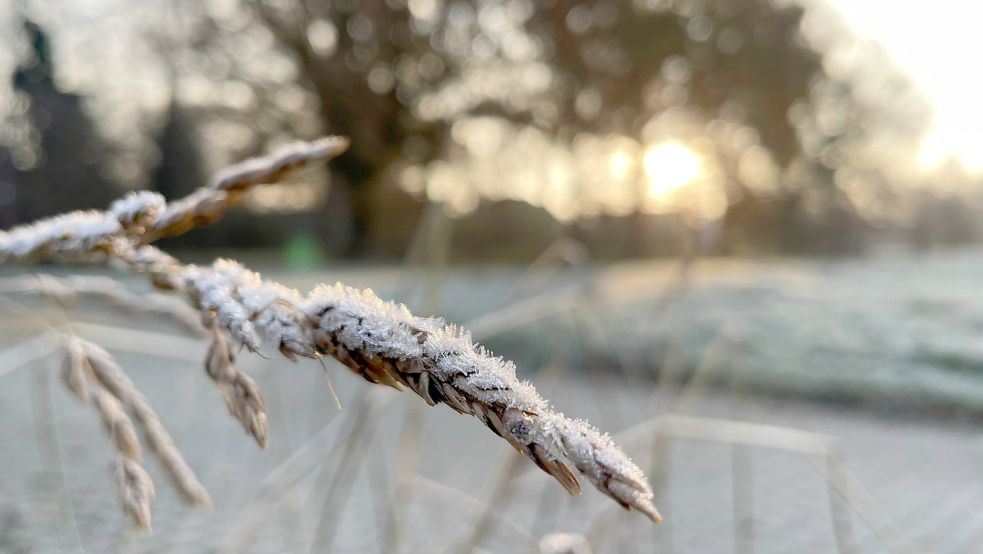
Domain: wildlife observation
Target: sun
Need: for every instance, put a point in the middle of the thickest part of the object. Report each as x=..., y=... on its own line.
x=670, y=166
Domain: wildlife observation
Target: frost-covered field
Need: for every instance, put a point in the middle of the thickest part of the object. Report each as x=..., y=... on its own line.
x=901, y=332
x=883, y=355
x=904, y=332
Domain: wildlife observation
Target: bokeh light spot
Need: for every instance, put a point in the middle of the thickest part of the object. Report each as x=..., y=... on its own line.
x=670, y=166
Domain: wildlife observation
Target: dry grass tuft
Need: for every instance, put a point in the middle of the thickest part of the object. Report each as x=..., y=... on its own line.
x=112, y=391
x=380, y=341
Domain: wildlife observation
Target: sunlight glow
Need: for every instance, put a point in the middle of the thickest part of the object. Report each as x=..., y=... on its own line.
x=940, y=65
x=621, y=164
x=670, y=166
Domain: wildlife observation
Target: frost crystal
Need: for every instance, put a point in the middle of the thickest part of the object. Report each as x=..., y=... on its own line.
x=64, y=234
x=138, y=208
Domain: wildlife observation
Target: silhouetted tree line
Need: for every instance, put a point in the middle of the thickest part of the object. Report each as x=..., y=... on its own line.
x=364, y=68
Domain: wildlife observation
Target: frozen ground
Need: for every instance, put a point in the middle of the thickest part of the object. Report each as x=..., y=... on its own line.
x=881, y=356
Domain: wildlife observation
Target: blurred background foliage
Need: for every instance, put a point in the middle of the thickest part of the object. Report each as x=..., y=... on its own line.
x=640, y=128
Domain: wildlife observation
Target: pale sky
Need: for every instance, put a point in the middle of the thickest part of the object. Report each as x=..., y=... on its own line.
x=938, y=43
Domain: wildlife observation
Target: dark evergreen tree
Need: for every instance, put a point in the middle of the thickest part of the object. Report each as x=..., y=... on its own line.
x=179, y=168
x=67, y=148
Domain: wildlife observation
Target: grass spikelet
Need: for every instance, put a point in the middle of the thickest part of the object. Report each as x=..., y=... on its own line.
x=117, y=423
x=136, y=491
x=73, y=369
x=242, y=395
x=278, y=165
x=162, y=445
x=113, y=391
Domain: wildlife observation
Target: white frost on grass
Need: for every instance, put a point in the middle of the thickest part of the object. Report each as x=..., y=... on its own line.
x=79, y=233
x=440, y=362
x=139, y=208
x=69, y=233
